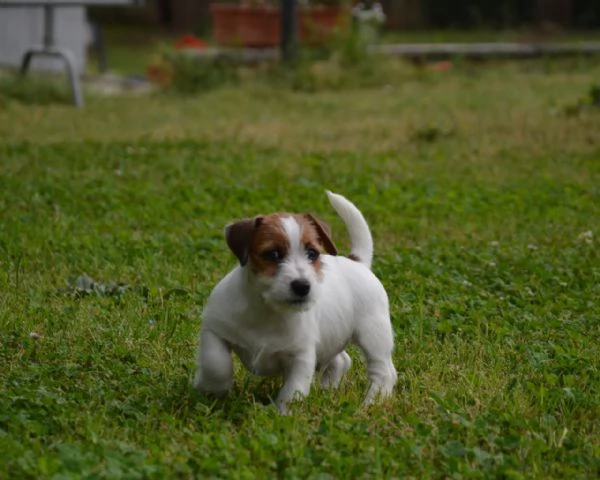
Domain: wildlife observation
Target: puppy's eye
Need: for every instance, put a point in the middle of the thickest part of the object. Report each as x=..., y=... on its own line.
x=312, y=254
x=272, y=255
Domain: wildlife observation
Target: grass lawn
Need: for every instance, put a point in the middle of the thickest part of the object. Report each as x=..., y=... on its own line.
x=484, y=202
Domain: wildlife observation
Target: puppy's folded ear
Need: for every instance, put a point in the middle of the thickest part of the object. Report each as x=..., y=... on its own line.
x=324, y=232
x=239, y=236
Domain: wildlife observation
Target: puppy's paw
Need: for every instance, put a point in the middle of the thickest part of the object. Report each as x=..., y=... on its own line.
x=283, y=408
x=335, y=370
x=380, y=391
x=217, y=389
x=285, y=402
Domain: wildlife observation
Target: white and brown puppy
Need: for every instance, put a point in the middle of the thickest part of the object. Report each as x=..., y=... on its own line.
x=291, y=306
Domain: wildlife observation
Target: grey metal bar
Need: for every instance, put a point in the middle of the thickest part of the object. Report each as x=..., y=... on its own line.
x=67, y=57
x=48, y=26
x=422, y=51
x=98, y=46
x=487, y=50
x=289, y=29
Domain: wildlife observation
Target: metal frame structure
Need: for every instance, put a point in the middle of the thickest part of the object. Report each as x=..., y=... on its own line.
x=48, y=47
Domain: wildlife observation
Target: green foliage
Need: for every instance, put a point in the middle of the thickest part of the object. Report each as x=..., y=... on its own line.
x=344, y=63
x=35, y=91
x=590, y=101
x=484, y=210
x=197, y=75
x=595, y=95
x=189, y=75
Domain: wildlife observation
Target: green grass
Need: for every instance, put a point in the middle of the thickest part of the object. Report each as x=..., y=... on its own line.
x=480, y=194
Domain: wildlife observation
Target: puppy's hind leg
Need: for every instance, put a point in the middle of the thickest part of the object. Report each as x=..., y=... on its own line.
x=377, y=343
x=214, y=372
x=335, y=370
x=382, y=375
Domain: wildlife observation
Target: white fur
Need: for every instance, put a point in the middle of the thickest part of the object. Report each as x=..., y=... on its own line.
x=358, y=229
x=252, y=316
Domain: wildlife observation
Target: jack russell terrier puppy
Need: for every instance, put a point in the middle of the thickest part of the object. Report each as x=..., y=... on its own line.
x=291, y=306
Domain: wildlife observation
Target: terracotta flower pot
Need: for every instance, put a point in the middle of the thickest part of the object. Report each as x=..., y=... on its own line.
x=225, y=23
x=260, y=27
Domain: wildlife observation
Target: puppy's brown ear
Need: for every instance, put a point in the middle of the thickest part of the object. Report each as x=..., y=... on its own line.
x=239, y=236
x=324, y=231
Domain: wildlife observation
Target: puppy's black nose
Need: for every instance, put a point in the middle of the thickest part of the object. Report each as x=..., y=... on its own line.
x=300, y=287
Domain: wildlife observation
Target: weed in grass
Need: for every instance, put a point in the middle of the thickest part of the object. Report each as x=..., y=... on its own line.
x=431, y=133
x=35, y=91
x=192, y=76
x=590, y=101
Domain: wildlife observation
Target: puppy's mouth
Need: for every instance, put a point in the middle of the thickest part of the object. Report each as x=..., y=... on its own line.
x=297, y=301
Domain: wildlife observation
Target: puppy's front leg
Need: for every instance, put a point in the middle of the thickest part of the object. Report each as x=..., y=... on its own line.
x=214, y=373
x=297, y=380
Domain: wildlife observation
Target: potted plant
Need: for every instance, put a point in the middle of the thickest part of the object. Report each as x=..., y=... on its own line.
x=257, y=23
x=368, y=21
x=318, y=21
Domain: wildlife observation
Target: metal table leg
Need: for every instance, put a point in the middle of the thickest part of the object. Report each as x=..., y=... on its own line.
x=49, y=50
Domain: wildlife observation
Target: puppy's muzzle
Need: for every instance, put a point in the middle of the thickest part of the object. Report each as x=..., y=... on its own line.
x=300, y=287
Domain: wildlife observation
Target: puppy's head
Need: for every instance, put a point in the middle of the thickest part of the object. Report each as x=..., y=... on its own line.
x=283, y=253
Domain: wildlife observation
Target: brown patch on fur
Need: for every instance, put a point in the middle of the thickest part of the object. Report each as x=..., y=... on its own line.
x=251, y=238
x=270, y=235
x=310, y=238
x=324, y=233
x=238, y=236
x=356, y=258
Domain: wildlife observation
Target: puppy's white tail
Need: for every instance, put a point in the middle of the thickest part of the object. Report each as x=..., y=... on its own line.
x=361, y=240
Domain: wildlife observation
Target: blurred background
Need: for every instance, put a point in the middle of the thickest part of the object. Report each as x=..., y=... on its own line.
x=182, y=16
x=124, y=35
